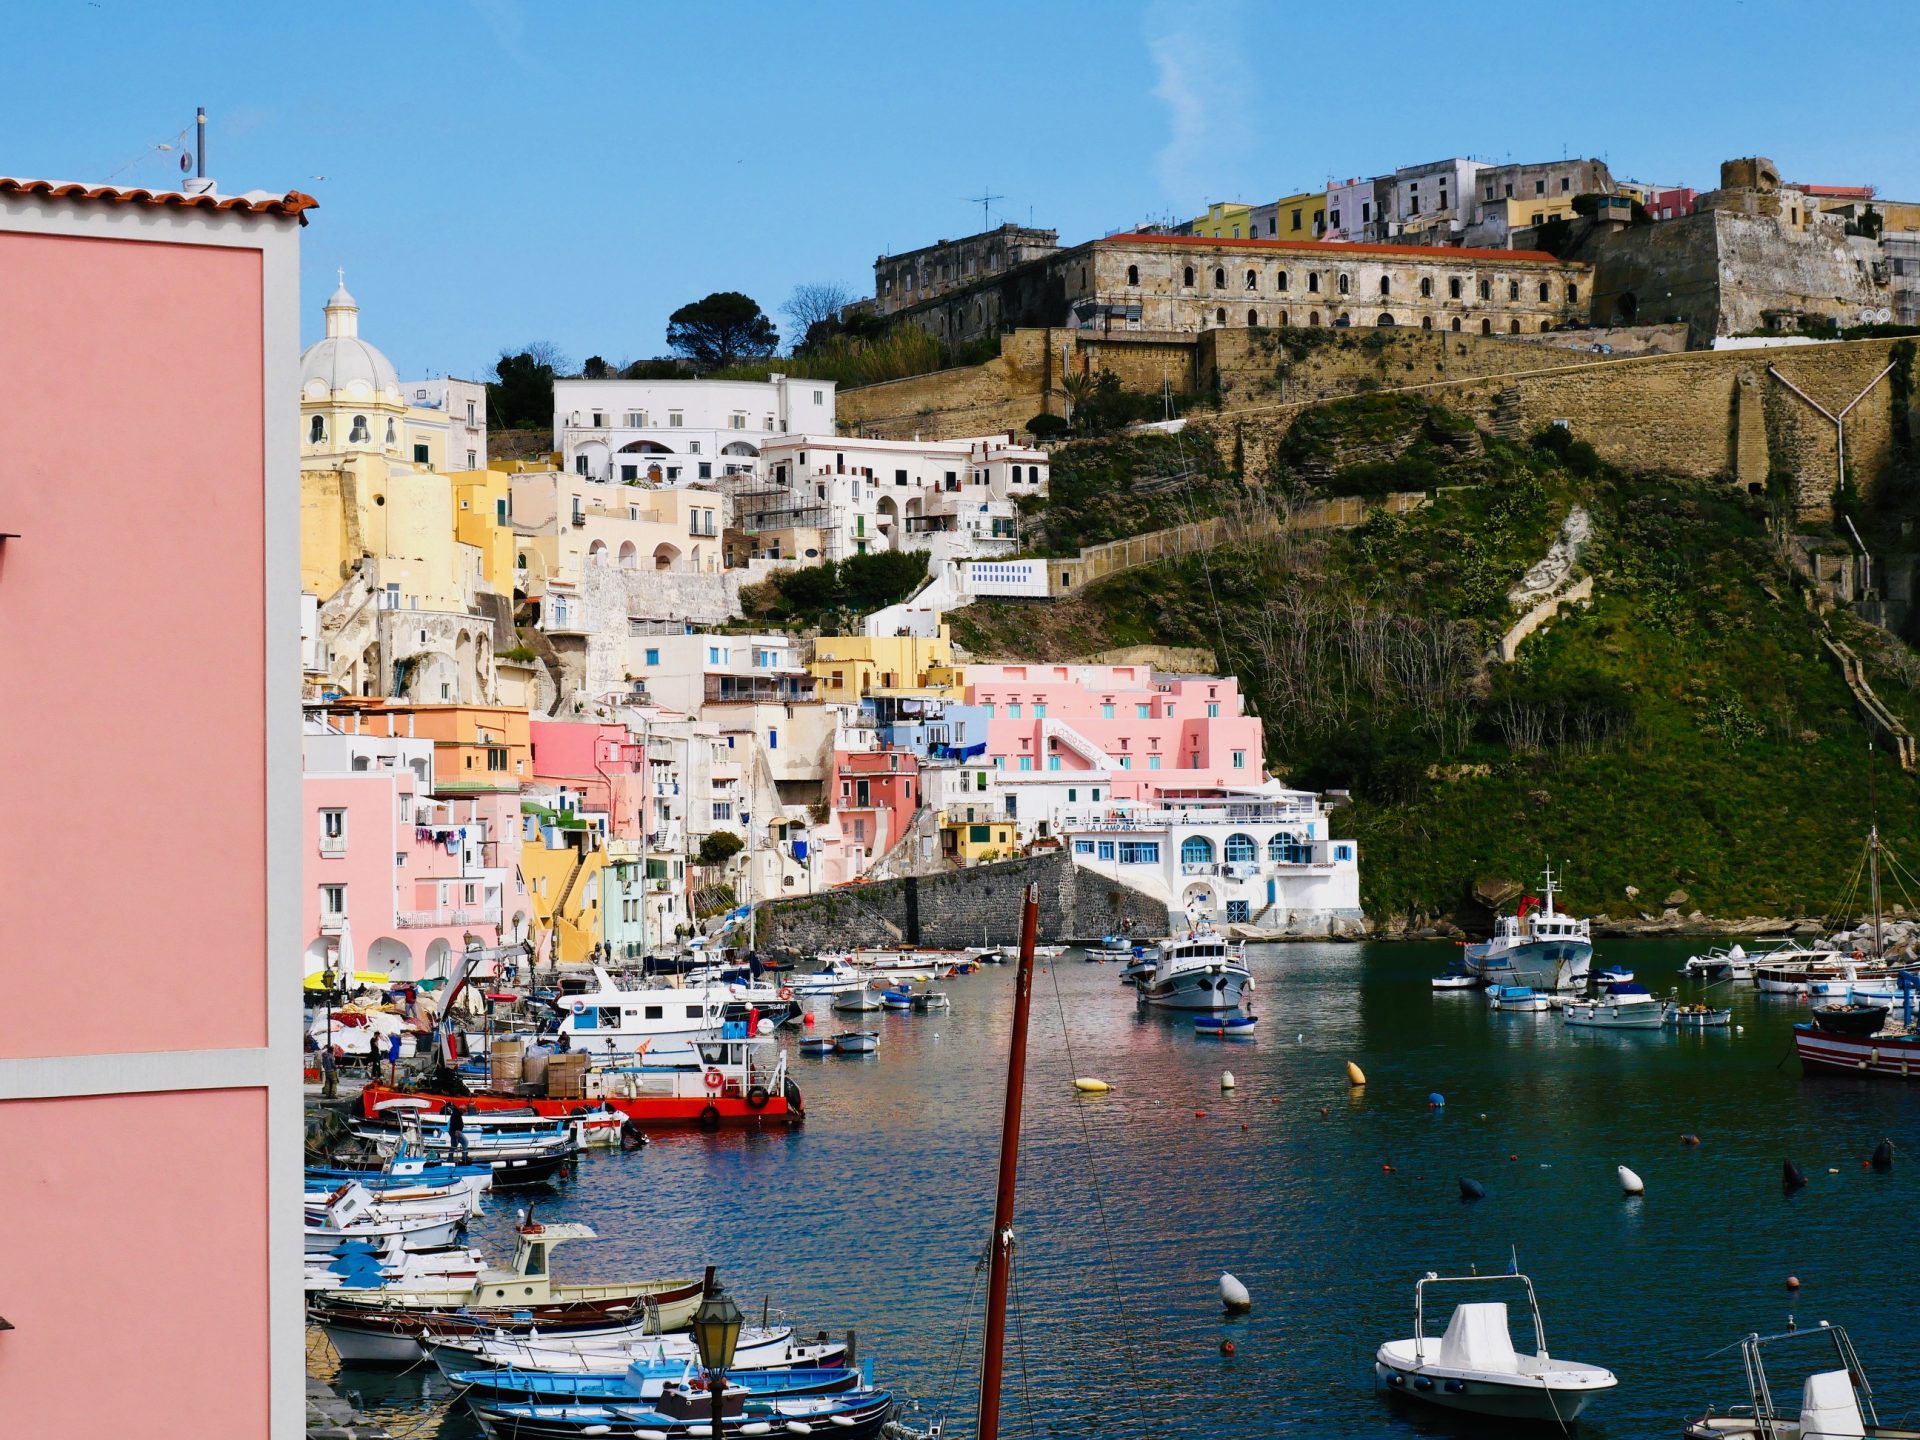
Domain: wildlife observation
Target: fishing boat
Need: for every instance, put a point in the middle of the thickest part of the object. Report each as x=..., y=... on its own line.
x=1537, y=939
x=1853, y=1018
x=1516, y=997
x=1198, y=971
x=815, y=1044
x=387, y=1325
x=686, y=1410
x=1625, y=1006
x=351, y=1213
x=644, y=1381
x=1822, y=972
x=1731, y=962
x=1834, y=1402
x=863, y=1001
x=925, y=1001
x=613, y=1350
x=856, y=1042
x=1225, y=1027
x=730, y=1080
x=1474, y=1369
x=663, y=1022
x=1696, y=1016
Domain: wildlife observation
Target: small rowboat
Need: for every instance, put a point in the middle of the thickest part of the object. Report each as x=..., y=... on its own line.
x=856, y=1042
x=1225, y=1027
x=897, y=999
x=815, y=1044
x=1697, y=1017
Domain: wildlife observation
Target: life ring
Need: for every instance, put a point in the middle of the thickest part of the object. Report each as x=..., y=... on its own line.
x=757, y=1097
x=786, y=992
x=715, y=1079
x=710, y=1118
x=579, y=1007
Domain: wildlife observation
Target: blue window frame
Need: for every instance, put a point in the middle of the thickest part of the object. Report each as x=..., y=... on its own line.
x=653, y=657
x=1106, y=849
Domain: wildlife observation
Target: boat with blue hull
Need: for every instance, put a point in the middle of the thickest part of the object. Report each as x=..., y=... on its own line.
x=683, y=1411
x=1198, y=971
x=1225, y=1027
x=1536, y=945
x=643, y=1381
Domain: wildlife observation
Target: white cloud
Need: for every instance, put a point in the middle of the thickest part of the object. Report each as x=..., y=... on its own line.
x=1202, y=77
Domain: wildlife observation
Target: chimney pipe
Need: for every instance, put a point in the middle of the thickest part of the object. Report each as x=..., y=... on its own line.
x=200, y=143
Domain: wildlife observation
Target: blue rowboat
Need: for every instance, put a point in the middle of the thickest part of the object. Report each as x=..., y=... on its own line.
x=897, y=999
x=850, y=1415
x=1225, y=1027
x=815, y=1044
x=644, y=1380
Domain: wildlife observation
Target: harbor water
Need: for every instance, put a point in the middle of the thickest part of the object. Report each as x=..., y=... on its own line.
x=1327, y=1201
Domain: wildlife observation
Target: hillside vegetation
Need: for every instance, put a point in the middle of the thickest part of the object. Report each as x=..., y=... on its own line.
x=1687, y=731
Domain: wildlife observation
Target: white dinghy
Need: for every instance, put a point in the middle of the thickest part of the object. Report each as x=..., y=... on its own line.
x=1474, y=1368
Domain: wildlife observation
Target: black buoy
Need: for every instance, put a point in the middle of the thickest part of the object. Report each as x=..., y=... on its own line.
x=1882, y=1156
x=1790, y=1177
x=1472, y=1189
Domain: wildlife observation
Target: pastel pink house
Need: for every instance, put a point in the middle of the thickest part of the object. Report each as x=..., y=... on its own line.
x=602, y=765
x=874, y=794
x=394, y=878
x=164, y=328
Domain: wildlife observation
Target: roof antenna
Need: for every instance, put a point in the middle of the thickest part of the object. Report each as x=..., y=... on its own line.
x=200, y=143
x=983, y=201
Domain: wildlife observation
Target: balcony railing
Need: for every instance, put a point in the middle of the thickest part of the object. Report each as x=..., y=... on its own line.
x=431, y=919
x=760, y=689
x=332, y=924
x=333, y=845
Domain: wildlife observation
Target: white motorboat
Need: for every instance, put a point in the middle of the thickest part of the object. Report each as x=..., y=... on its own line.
x=1201, y=970
x=1522, y=998
x=1457, y=976
x=759, y=1348
x=861, y=1001
x=834, y=977
x=661, y=1023
x=351, y=1213
x=1475, y=1370
x=1623, y=1007
x=1536, y=939
x=1836, y=1402
x=368, y=1267
x=1731, y=962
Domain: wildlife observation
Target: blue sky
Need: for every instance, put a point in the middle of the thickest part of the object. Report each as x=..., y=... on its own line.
x=492, y=172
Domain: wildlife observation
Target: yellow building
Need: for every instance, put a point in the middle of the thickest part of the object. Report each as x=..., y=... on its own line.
x=965, y=841
x=483, y=519
x=565, y=521
x=1225, y=220
x=563, y=867
x=363, y=507
x=849, y=666
x=1298, y=217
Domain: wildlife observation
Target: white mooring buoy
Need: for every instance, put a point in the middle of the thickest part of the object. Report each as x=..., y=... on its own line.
x=1233, y=1294
x=1631, y=1183
x=1226, y=1079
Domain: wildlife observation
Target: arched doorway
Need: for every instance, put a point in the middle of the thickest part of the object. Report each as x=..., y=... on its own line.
x=665, y=556
x=392, y=956
x=439, y=961
x=597, y=551
x=629, y=555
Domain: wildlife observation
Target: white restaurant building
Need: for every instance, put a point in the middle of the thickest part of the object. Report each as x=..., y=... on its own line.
x=662, y=431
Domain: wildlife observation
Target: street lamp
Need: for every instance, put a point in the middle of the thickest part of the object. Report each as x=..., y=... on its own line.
x=716, y=1331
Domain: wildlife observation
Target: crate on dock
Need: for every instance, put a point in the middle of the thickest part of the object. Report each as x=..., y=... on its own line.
x=567, y=1077
x=504, y=1066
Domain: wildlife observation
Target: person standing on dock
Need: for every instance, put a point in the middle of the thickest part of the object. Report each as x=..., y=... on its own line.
x=456, y=1133
x=373, y=1057
x=393, y=1059
x=329, y=1074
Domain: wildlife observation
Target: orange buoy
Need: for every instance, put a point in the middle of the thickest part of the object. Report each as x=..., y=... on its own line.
x=806, y=1021
x=1226, y=1347
x=1199, y=1114
x=1793, y=1282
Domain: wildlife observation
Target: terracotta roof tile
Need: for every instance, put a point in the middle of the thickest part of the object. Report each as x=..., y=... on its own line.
x=1342, y=247
x=255, y=202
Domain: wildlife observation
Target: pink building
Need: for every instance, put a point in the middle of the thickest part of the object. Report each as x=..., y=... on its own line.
x=1671, y=204
x=874, y=796
x=601, y=765
x=165, y=329
x=393, y=875
x=1136, y=733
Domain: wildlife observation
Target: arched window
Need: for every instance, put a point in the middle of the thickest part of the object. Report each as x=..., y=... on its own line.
x=1219, y=277
x=392, y=438
x=1426, y=322
x=597, y=550
x=629, y=556
x=1220, y=316
x=1133, y=275
x=1544, y=292
x=1426, y=286
x=317, y=431
x=1346, y=284
x=1545, y=327
x=1253, y=280
x=1513, y=327
x=1196, y=850
x=1313, y=283
x=1486, y=289
x=1573, y=294
x=1188, y=280
x=1385, y=319
x=359, y=434
x=1283, y=319
x=1453, y=288
x=1486, y=327
x=1253, y=318
x=1240, y=850
x=1280, y=282
x=1456, y=323
x=1313, y=317
x=1386, y=287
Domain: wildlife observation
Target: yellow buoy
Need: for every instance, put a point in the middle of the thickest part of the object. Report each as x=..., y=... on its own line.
x=1355, y=1075
x=1091, y=1087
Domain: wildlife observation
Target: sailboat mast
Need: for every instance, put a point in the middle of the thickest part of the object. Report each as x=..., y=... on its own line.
x=1000, y=1267
x=1873, y=847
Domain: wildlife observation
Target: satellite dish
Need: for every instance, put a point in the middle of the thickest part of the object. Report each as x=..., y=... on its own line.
x=1882, y=315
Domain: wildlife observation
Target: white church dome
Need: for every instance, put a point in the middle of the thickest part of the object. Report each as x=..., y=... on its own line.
x=343, y=364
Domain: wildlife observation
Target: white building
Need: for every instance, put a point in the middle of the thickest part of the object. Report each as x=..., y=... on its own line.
x=1435, y=199
x=464, y=403
x=824, y=497
x=667, y=430
x=1355, y=209
x=1264, y=857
